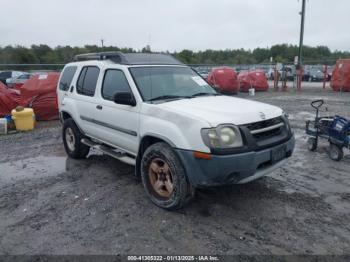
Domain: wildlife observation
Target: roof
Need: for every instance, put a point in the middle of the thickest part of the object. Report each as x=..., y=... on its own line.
x=131, y=58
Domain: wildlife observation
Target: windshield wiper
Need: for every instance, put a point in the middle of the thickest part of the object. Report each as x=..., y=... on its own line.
x=205, y=94
x=168, y=97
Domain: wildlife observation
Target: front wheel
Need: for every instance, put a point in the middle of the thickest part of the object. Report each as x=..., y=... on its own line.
x=335, y=152
x=164, y=177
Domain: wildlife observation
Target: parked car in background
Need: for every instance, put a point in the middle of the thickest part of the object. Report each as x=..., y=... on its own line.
x=269, y=74
x=286, y=72
x=18, y=81
x=224, y=80
x=202, y=72
x=314, y=75
x=4, y=75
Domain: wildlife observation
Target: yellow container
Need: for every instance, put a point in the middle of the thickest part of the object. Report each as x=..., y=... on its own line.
x=24, y=119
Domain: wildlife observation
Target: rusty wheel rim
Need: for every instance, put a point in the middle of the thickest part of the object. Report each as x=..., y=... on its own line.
x=70, y=139
x=160, y=178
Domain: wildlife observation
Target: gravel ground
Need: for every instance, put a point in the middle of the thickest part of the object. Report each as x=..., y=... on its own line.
x=50, y=204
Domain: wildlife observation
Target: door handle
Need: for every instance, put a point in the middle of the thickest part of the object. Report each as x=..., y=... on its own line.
x=99, y=107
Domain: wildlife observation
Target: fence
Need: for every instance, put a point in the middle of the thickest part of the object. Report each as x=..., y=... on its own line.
x=314, y=71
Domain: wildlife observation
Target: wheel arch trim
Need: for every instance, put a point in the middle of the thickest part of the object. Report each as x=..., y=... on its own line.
x=71, y=117
x=139, y=153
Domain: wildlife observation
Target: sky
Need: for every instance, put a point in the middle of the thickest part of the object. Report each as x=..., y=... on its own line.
x=174, y=25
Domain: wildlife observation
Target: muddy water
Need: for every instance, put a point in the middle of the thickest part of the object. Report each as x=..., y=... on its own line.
x=31, y=168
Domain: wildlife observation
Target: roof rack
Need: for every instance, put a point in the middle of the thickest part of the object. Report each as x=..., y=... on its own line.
x=99, y=56
x=131, y=58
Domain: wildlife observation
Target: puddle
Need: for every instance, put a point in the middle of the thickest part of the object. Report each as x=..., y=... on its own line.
x=32, y=168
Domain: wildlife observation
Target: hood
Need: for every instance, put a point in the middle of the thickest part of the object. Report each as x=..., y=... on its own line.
x=218, y=110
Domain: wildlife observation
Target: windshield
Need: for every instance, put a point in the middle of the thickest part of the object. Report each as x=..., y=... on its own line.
x=163, y=82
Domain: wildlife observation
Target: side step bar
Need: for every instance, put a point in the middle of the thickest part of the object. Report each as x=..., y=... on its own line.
x=122, y=156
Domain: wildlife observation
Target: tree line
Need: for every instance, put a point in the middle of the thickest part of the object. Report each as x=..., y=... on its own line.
x=285, y=53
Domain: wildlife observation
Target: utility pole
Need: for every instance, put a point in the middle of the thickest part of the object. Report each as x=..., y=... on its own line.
x=102, y=42
x=301, y=42
x=302, y=13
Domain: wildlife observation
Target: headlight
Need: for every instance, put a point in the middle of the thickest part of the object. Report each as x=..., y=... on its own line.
x=224, y=136
x=227, y=136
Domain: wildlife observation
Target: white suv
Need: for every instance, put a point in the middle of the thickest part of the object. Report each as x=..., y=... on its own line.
x=154, y=112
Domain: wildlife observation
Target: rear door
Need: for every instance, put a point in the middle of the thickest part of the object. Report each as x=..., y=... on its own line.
x=65, y=82
x=85, y=100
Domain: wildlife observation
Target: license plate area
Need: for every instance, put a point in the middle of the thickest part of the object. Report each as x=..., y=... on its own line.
x=278, y=153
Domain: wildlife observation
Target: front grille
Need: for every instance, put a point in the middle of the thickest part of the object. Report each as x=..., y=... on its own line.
x=266, y=129
x=264, y=124
x=268, y=134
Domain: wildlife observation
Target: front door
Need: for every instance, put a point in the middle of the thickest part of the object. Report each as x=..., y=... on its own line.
x=119, y=123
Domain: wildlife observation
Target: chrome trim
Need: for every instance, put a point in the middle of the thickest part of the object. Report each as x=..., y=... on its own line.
x=117, y=128
x=258, y=131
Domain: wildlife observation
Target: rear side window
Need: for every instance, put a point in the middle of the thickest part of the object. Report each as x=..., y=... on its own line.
x=87, y=81
x=114, y=81
x=67, y=77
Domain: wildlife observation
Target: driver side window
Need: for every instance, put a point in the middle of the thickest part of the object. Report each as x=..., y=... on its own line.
x=114, y=81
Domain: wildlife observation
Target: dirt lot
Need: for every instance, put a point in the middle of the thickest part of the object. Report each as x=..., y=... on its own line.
x=50, y=204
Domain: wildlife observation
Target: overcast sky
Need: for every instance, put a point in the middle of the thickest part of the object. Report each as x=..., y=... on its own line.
x=174, y=24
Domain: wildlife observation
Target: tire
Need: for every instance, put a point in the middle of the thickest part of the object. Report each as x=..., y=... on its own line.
x=72, y=136
x=335, y=152
x=311, y=144
x=164, y=177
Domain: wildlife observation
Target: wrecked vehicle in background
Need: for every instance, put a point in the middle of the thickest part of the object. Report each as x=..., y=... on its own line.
x=224, y=80
x=39, y=93
x=9, y=99
x=154, y=112
x=341, y=76
x=252, y=79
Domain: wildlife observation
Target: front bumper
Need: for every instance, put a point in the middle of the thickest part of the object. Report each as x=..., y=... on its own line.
x=232, y=169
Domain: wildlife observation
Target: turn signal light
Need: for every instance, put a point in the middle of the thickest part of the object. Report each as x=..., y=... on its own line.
x=201, y=155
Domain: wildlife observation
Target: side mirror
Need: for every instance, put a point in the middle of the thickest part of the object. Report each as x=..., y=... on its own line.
x=124, y=98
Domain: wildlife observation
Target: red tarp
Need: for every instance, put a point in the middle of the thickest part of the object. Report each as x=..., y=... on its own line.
x=224, y=78
x=341, y=76
x=255, y=79
x=39, y=93
x=9, y=100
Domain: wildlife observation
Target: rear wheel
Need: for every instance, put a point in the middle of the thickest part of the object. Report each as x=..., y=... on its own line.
x=72, y=140
x=311, y=143
x=335, y=152
x=164, y=177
